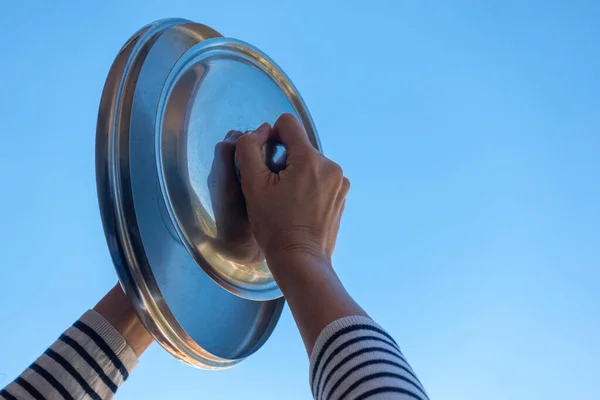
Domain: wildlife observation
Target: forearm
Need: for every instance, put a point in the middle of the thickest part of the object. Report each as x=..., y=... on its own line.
x=314, y=293
x=91, y=359
x=350, y=355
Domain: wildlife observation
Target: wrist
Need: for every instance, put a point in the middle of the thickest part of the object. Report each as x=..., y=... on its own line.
x=297, y=272
x=313, y=291
x=116, y=309
x=298, y=258
x=296, y=242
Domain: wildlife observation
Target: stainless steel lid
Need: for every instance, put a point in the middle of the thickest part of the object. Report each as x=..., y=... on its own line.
x=171, y=206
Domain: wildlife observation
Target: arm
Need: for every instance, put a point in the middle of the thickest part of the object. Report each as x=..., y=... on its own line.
x=90, y=359
x=116, y=309
x=295, y=216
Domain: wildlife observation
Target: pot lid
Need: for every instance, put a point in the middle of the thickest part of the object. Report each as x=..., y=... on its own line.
x=176, y=98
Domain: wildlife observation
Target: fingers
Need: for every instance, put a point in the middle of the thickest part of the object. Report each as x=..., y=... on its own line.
x=223, y=161
x=232, y=136
x=289, y=132
x=248, y=151
x=340, y=200
x=345, y=188
x=336, y=228
x=224, y=150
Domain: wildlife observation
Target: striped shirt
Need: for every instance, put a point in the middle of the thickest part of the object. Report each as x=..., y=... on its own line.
x=353, y=358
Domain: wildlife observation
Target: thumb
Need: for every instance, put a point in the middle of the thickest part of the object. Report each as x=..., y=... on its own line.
x=291, y=133
x=248, y=151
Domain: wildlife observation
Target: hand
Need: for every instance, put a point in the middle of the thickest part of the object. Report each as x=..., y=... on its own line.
x=298, y=210
x=234, y=234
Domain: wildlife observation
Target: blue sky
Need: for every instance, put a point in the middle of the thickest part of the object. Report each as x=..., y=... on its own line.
x=470, y=132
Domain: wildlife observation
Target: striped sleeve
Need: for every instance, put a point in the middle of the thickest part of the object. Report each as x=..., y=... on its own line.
x=354, y=358
x=90, y=360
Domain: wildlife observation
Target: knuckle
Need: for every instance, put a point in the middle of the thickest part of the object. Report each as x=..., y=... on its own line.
x=345, y=188
x=224, y=148
x=219, y=147
x=335, y=170
x=245, y=142
x=346, y=184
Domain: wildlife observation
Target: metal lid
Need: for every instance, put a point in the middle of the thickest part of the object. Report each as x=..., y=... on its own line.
x=172, y=209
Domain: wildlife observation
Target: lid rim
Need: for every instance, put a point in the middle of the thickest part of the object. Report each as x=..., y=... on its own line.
x=120, y=226
x=118, y=190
